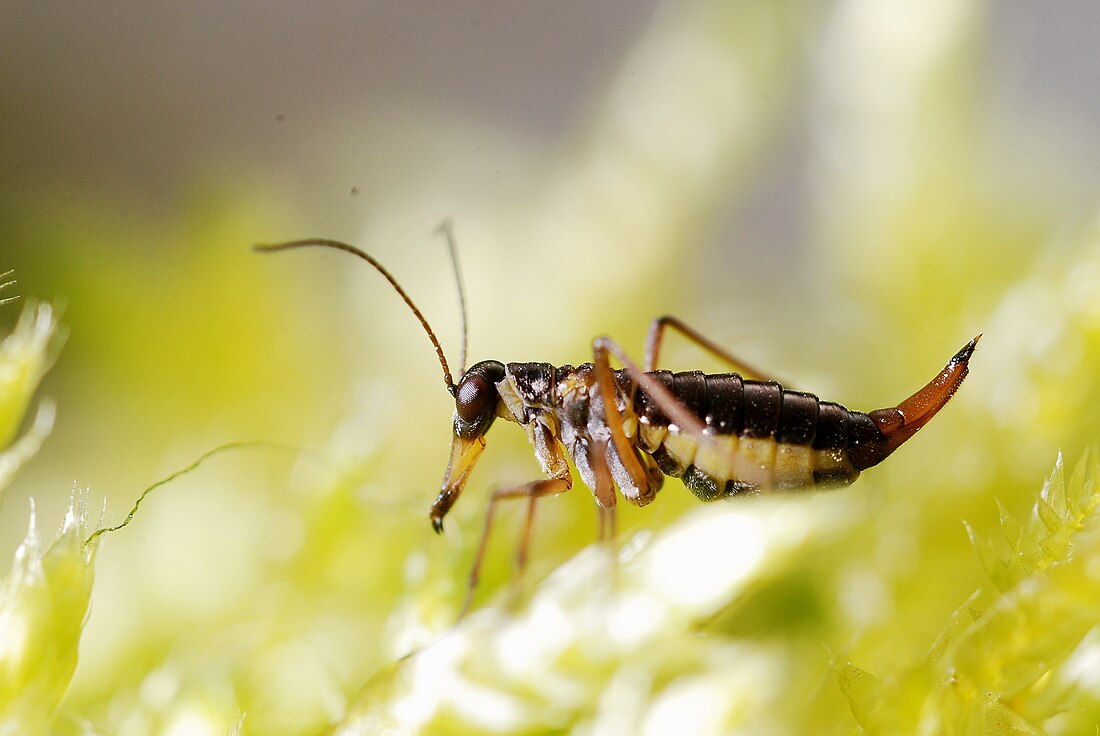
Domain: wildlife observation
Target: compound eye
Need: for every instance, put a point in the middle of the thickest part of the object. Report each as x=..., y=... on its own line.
x=475, y=397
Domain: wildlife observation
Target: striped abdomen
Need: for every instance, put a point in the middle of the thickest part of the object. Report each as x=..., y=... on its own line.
x=761, y=436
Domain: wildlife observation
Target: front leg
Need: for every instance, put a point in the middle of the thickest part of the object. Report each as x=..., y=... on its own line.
x=553, y=462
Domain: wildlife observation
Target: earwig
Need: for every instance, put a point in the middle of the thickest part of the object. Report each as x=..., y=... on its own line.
x=624, y=430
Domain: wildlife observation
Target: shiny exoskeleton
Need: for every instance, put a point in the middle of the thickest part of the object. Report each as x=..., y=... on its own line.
x=749, y=436
x=625, y=430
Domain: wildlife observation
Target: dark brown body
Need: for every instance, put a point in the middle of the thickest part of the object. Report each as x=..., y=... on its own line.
x=759, y=436
x=767, y=437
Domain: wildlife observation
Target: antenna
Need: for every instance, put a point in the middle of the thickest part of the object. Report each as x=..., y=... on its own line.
x=446, y=229
x=337, y=245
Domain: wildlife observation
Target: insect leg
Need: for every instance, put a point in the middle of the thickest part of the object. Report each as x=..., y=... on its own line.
x=531, y=491
x=604, y=491
x=665, y=400
x=638, y=479
x=607, y=524
x=605, y=488
x=656, y=336
x=613, y=418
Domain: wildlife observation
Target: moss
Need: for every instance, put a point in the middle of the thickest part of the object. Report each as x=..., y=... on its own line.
x=318, y=596
x=43, y=605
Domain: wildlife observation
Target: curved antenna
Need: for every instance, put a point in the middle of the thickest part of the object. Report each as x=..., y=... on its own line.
x=336, y=244
x=446, y=229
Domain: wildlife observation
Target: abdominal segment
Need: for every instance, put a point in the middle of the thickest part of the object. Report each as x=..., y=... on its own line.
x=759, y=436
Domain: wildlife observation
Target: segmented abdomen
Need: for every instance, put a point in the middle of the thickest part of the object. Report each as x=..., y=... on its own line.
x=762, y=436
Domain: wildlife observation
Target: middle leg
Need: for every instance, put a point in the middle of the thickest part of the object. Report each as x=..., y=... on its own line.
x=642, y=480
x=671, y=406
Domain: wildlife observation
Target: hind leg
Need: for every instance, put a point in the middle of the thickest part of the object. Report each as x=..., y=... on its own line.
x=656, y=337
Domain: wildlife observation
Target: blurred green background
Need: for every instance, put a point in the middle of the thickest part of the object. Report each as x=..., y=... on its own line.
x=843, y=193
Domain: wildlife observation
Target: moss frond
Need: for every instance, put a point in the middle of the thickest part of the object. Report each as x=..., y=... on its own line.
x=1001, y=663
x=43, y=606
x=25, y=356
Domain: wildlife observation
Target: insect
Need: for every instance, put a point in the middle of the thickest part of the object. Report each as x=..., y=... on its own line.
x=626, y=429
